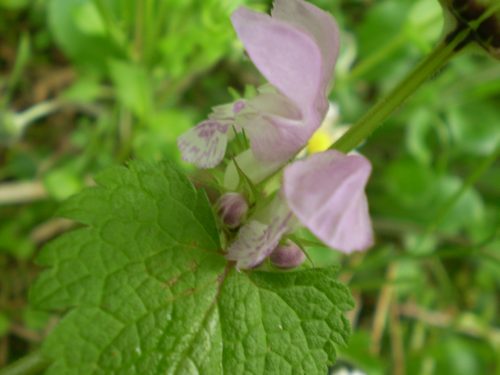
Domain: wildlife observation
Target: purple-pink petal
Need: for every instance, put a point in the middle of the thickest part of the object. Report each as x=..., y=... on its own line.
x=205, y=144
x=260, y=236
x=326, y=193
x=319, y=24
x=286, y=55
x=275, y=127
x=296, y=50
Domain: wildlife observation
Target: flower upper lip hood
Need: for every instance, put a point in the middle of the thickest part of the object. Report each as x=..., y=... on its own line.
x=319, y=24
x=286, y=52
x=295, y=49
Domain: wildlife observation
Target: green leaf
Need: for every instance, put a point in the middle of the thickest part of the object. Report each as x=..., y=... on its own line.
x=62, y=182
x=77, y=28
x=133, y=87
x=149, y=291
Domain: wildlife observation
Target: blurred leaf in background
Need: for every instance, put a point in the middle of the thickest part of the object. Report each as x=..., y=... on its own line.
x=85, y=84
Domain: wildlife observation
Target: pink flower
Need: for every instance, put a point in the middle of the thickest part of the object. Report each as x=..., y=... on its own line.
x=326, y=193
x=295, y=49
x=261, y=234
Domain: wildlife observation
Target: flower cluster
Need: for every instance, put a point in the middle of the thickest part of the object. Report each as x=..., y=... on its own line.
x=295, y=49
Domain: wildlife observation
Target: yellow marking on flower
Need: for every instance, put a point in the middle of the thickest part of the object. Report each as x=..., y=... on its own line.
x=320, y=141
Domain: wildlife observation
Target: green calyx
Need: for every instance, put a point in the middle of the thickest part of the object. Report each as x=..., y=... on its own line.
x=481, y=17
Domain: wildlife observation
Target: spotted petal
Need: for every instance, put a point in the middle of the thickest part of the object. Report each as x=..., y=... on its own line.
x=326, y=193
x=260, y=235
x=205, y=144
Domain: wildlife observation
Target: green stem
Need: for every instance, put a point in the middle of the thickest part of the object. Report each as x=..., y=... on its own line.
x=441, y=54
x=32, y=364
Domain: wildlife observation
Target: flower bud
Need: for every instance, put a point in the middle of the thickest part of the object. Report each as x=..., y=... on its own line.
x=287, y=256
x=482, y=17
x=232, y=209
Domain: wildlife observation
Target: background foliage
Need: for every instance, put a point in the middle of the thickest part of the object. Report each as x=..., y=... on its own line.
x=86, y=84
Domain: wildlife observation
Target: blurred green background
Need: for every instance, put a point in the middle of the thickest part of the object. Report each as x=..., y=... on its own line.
x=85, y=84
